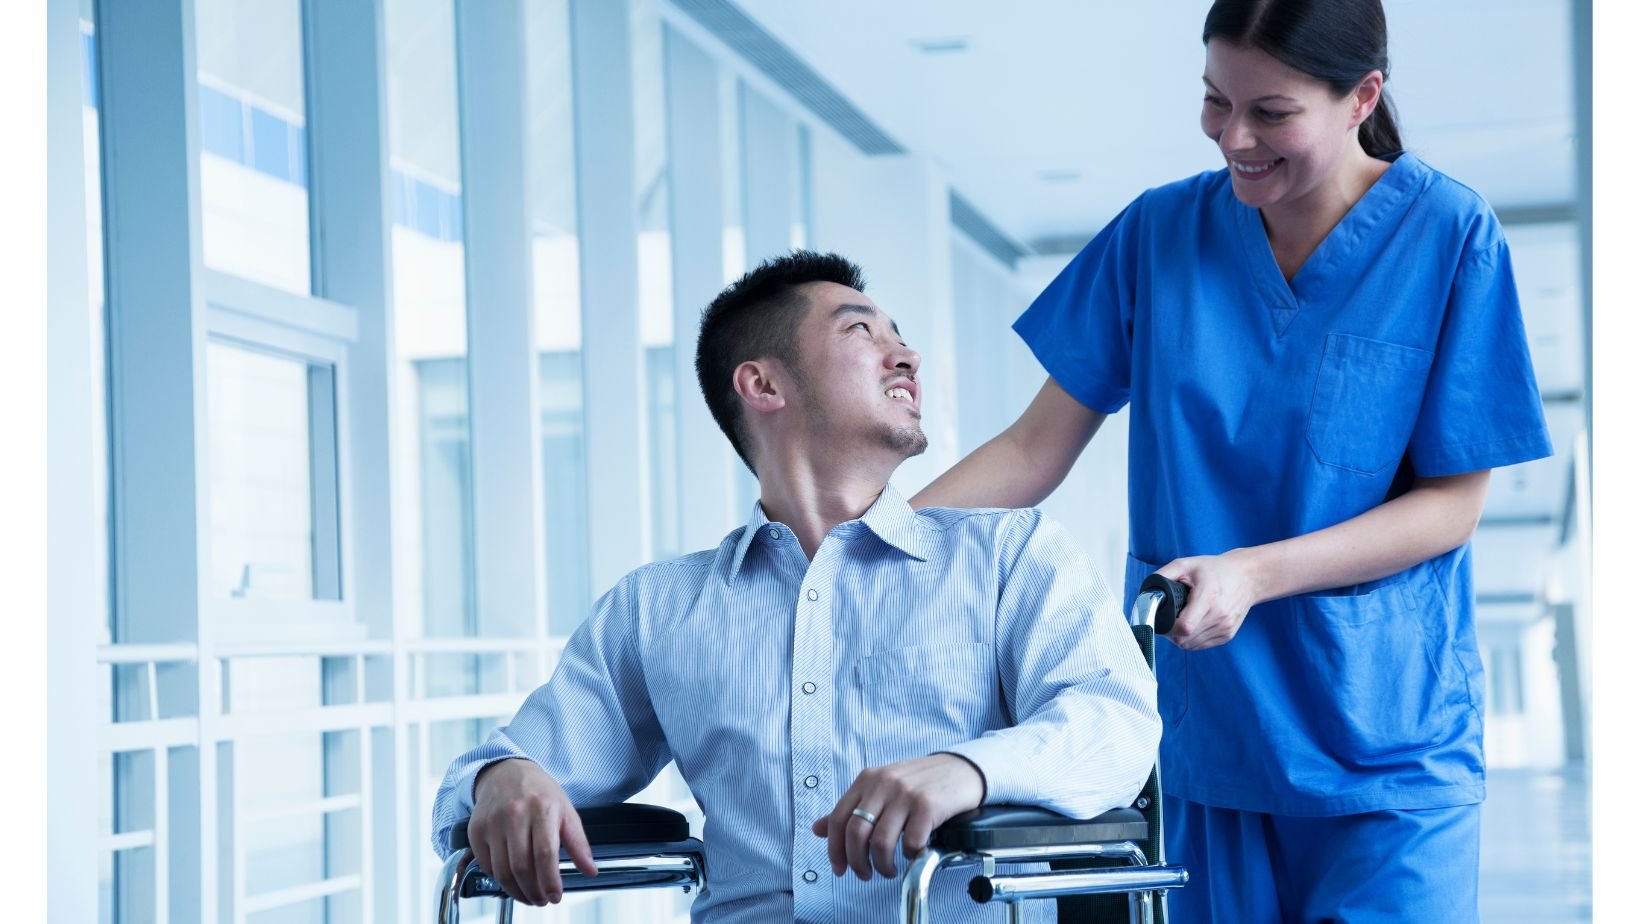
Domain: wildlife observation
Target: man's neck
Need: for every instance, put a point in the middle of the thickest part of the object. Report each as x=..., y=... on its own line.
x=811, y=499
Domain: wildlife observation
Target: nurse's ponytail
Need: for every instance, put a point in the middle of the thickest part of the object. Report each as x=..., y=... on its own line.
x=1336, y=41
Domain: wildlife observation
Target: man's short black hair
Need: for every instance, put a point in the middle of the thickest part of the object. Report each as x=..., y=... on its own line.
x=756, y=318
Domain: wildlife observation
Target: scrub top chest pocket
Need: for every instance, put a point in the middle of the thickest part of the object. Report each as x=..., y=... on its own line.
x=1366, y=401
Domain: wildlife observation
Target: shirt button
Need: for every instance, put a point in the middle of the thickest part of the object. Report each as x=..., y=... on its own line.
x=809, y=687
x=814, y=594
x=810, y=876
x=774, y=532
x=811, y=781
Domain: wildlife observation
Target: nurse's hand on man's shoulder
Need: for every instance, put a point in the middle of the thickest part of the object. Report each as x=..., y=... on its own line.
x=1222, y=590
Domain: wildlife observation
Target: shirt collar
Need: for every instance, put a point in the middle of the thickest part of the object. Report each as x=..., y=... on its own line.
x=889, y=518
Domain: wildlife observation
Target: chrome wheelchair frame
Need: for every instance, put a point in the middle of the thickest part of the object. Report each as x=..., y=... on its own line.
x=646, y=847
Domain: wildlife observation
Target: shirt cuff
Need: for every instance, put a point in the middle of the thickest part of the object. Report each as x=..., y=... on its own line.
x=997, y=759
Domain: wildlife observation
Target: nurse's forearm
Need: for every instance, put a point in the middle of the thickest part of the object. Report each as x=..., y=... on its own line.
x=1436, y=516
x=1024, y=463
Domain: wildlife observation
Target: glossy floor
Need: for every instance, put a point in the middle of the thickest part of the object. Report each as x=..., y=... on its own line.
x=1535, y=851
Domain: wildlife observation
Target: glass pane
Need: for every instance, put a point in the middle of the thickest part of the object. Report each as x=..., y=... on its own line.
x=799, y=188
x=430, y=317
x=253, y=140
x=655, y=322
x=554, y=224
x=272, y=521
x=731, y=142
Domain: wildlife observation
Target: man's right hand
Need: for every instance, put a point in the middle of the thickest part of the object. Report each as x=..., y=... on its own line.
x=521, y=817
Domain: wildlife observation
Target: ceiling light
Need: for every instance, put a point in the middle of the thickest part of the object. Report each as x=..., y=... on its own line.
x=941, y=46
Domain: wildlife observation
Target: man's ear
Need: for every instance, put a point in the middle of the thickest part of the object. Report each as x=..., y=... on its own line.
x=1368, y=94
x=757, y=383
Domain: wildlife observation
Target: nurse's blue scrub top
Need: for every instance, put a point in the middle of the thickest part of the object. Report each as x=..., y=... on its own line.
x=1263, y=410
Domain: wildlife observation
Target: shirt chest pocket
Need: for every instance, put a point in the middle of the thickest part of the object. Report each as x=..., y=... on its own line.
x=1367, y=396
x=923, y=698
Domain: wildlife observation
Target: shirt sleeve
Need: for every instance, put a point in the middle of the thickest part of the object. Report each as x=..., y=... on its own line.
x=1081, y=326
x=1481, y=408
x=1081, y=697
x=592, y=727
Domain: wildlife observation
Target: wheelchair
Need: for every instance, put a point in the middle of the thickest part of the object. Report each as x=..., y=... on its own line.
x=1109, y=868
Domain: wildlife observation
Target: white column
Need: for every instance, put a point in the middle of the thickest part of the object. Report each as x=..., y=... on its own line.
x=352, y=264
x=156, y=371
x=706, y=463
x=73, y=530
x=616, y=439
x=506, y=446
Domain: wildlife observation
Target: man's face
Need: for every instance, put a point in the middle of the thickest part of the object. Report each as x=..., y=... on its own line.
x=857, y=380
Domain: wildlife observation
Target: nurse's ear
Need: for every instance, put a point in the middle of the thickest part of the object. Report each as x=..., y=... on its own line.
x=1365, y=97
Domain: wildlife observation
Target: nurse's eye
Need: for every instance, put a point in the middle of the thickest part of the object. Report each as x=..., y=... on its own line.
x=1269, y=115
x=1217, y=102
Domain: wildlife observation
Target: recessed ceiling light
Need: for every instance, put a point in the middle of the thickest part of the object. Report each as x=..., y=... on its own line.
x=1059, y=176
x=941, y=46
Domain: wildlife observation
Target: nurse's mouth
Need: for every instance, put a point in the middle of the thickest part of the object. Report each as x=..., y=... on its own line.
x=1256, y=169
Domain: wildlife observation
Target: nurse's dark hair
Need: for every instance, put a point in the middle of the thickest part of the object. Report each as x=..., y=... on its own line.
x=1336, y=41
x=756, y=317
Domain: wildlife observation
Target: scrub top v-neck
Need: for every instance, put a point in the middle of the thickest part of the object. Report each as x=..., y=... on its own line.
x=1263, y=409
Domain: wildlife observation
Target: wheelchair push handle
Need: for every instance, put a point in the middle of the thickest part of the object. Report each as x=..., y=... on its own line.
x=1159, y=603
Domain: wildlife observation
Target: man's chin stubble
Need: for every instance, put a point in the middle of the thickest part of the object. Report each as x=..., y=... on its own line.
x=909, y=440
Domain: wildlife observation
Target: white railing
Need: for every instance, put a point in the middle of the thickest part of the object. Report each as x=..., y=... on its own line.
x=387, y=690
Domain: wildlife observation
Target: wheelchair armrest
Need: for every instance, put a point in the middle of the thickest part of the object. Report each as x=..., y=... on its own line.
x=616, y=823
x=997, y=827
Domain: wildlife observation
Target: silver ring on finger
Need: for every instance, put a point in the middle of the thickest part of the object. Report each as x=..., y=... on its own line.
x=870, y=819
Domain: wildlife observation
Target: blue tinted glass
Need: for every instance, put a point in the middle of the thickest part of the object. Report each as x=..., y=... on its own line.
x=427, y=209
x=270, y=144
x=88, y=68
x=221, y=124
x=401, y=199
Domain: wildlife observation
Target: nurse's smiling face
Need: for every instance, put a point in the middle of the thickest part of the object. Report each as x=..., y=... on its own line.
x=1283, y=133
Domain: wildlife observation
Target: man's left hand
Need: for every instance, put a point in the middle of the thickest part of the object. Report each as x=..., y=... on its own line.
x=909, y=800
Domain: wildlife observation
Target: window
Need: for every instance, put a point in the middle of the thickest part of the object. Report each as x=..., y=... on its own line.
x=555, y=252
x=655, y=320
x=430, y=318
x=253, y=140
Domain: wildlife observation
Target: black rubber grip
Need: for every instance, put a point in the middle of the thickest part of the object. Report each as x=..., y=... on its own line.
x=1174, y=596
x=615, y=823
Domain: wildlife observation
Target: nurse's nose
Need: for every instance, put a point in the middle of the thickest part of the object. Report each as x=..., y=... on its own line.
x=1236, y=135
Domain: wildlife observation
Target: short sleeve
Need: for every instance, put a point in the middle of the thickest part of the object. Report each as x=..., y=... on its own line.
x=1081, y=326
x=1481, y=408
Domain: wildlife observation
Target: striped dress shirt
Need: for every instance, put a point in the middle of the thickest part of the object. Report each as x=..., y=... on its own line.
x=773, y=680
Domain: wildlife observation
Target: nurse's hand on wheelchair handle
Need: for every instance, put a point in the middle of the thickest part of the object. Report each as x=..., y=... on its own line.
x=521, y=817
x=1222, y=590
x=909, y=799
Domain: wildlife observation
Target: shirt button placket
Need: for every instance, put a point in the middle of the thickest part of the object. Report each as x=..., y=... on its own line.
x=811, y=734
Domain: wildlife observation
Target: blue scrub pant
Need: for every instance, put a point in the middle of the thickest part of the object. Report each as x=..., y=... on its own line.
x=1407, y=865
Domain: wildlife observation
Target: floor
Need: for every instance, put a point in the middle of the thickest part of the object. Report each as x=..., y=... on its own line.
x=1535, y=851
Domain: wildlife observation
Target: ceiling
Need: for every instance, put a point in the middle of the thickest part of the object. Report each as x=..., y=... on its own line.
x=1050, y=115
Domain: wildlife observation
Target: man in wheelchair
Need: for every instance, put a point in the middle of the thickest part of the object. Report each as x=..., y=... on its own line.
x=839, y=676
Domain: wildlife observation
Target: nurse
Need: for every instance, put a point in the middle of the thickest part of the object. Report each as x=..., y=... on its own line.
x=1322, y=349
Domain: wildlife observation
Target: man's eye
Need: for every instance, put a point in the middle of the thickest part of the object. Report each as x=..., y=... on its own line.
x=860, y=324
